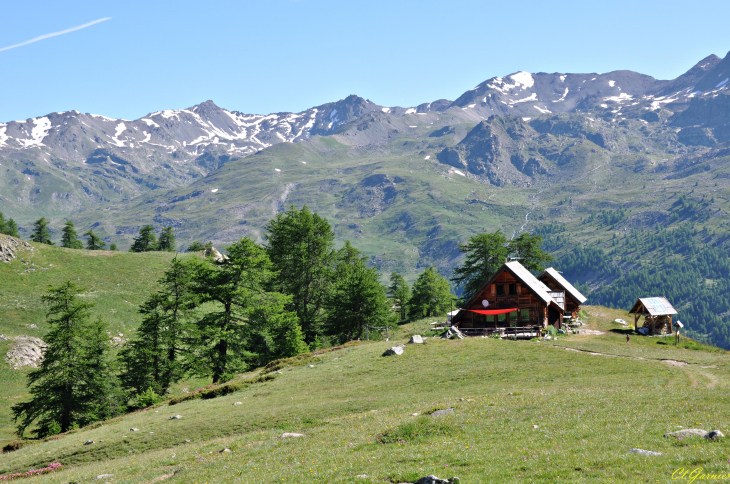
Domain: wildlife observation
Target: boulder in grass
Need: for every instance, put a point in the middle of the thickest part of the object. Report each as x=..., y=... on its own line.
x=435, y=480
x=445, y=411
x=175, y=417
x=89, y=442
x=714, y=435
x=644, y=452
x=685, y=433
x=416, y=339
x=395, y=350
x=289, y=435
x=224, y=451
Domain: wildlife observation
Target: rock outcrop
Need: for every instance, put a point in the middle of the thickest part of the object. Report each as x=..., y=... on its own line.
x=10, y=246
x=25, y=351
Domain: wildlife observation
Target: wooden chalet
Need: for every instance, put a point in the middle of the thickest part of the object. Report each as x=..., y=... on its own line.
x=515, y=301
x=657, y=312
x=573, y=298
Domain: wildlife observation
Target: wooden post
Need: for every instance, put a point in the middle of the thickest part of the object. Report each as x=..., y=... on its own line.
x=636, y=322
x=367, y=332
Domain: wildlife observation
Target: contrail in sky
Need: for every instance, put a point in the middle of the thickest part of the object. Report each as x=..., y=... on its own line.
x=53, y=34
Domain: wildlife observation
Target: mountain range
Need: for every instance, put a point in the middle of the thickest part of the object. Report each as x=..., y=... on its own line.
x=515, y=152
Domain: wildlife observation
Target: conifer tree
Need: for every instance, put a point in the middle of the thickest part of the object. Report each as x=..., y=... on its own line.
x=152, y=359
x=431, y=295
x=41, y=234
x=145, y=242
x=356, y=299
x=113, y=246
x=245, y=323
x=300, y=245
x=196, y=247
x=74, y=385
x=94, y=242
x=166, y=241
x=69, y=239
x=485, y=253
x=11, y=228
x=400, y=292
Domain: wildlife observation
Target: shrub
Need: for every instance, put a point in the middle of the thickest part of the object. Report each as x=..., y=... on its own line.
x=148, y=398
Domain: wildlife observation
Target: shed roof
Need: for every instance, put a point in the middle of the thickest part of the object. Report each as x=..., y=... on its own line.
x=568, y=287
x=653, y=306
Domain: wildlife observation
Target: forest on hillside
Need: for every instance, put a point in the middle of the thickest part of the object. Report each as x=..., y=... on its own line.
x=690, y=267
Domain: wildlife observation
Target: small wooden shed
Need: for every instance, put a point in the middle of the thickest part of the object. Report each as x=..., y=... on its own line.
x=657, y=312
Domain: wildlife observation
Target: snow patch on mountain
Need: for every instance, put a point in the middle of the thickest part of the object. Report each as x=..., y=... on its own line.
x=40, y=130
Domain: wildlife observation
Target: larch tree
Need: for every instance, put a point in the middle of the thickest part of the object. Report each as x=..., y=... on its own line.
x=485, y=253
x=41, y=234
x=245, y=322
x=74, y=384
x=166, y=242
x=300, y=245
x=94, y=242
x=145, y=241
x=70, y=239
x=431, y=295
x=400, y=293
x=357, y=300
x=153, y=357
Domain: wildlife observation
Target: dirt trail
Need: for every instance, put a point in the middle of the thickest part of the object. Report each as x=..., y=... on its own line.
x=694, y=368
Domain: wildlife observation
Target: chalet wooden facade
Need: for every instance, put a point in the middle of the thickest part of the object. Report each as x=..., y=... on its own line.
x=657, y=312
x=514, y=298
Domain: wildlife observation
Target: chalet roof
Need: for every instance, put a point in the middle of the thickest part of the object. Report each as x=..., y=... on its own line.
x=568, y=287
x=653, y=306
x=540, y=290
x=538, y=287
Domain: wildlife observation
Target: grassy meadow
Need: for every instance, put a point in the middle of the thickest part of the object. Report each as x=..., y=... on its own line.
x=115, y=282
x=524, y=411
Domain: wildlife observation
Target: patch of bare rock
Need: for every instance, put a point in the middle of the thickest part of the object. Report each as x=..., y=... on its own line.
x=10, y=246
x=25, y=351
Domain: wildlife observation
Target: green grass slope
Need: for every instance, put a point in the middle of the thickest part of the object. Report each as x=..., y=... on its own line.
x=115, y=282
x=524, y=411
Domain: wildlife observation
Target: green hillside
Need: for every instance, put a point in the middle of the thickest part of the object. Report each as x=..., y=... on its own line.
x=524, y=411
x=115, y=282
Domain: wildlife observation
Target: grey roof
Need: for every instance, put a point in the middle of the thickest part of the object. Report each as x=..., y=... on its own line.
x=655, y=306
x=572, y=291
x=540, y=289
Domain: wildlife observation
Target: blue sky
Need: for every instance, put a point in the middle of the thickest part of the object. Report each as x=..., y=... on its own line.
x=288, y=55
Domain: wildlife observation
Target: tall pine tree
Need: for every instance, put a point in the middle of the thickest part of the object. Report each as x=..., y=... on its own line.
x=166, y=242
x=74, y=384
x=300, y=245
x=153, y=358
x=400, y=293
x=245, y=323
x=94, y=242
x=357, y=298
x=431, y=295
x=145, y=241
x=69, y=239
x=41, y=234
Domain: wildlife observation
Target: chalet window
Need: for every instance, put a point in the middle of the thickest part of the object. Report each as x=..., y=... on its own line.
x=501, y=318
x=500, y=289
x=525, y=315
x=512, y=289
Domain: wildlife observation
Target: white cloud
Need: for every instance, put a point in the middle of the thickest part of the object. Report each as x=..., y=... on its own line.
x=54, y=34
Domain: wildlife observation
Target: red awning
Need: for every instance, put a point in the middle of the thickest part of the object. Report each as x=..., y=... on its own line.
x=492, y=311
